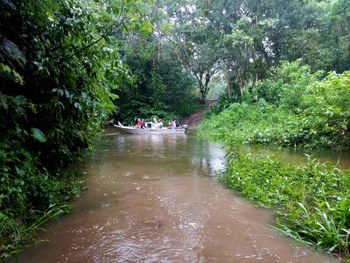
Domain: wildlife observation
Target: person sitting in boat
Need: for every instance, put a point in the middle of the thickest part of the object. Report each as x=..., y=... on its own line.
x=143, y=124
x=160, y=124
x=173, y=124
x=139, y=123
x=154, y=123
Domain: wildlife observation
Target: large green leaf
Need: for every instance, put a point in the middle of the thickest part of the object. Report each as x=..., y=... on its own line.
x=38, y=135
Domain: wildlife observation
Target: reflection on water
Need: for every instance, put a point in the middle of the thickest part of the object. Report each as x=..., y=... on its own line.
x=154, y=199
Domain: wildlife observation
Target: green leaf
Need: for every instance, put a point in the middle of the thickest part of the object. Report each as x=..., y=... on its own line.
x=38, y=135
x=21, y=100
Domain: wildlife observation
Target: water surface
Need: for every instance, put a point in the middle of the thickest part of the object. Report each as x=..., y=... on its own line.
x=156, y=199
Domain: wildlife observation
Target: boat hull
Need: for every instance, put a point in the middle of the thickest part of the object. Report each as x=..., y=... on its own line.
x=133, y=130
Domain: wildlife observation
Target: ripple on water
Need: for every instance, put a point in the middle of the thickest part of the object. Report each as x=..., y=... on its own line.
x=153, y=199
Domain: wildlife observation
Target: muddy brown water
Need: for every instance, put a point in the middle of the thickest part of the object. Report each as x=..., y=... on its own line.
x=156, y=199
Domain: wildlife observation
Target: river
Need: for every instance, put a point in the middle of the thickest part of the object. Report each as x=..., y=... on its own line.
x=156, y=199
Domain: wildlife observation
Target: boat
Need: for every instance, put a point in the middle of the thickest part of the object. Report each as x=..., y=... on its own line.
x=152, y=130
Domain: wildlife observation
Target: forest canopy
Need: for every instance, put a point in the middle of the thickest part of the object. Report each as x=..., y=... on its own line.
x=69, y=66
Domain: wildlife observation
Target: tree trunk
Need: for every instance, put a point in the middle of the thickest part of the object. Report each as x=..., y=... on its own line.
x=241, y=86
x=241, y=81
x=203, y=85
x=228, y=79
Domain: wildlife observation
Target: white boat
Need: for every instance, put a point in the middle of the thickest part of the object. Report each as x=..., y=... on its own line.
x=134, y=130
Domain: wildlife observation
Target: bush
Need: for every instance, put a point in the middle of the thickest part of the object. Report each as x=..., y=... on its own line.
x=301, y=112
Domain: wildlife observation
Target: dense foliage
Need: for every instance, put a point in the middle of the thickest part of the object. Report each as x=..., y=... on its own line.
x=195, y=41
x=242, y=39
x=160, y=88
x=294, y=108
x=65, y=65
x=58, y=62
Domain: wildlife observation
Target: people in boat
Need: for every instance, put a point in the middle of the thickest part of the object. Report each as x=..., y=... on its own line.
x=173, y=124
x=143, y=124
x=157, y=124
x=139, y=123
x=160, y=124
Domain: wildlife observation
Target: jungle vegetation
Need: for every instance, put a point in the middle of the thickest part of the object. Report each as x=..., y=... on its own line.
x=300, y=102
x=281, y=69
x=299, y=109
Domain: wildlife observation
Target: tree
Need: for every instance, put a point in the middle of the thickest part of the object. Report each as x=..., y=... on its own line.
x=59, y=61
x=245, y=49
x=202, y=61
x=339, y=34
x=196, y=44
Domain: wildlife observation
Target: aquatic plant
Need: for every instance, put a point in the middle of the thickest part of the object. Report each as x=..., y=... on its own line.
x=312, y=201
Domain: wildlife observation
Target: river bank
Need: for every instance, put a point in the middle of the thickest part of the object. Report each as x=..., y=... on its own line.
x=311, y=199
x=194, y=119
